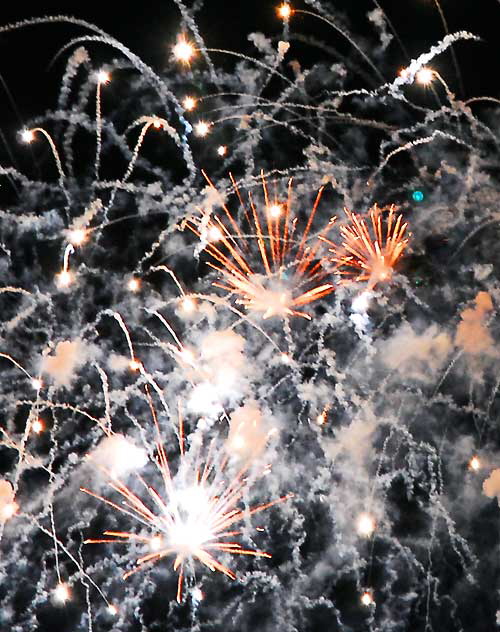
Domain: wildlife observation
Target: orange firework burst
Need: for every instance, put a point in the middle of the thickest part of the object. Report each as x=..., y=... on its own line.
x=369, y=252
x=192, y=519
x=272, y=269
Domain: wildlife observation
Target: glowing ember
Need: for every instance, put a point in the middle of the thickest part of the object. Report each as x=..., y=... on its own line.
x=188, y=304
x=37, y=426
x=201, y=129
x=189, y=103
x=365, y=525
x=103, y=77
x=425, y=76
x=134, y=285
x=77, y=236
x=9, y=510
x=27, y=136
x=64, y=278
x=135, y=365
x=367, y=599
x=475, y=464
x=62, y=593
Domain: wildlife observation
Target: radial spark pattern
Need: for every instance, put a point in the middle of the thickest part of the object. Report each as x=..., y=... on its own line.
x=269, y=263
x=370, y=249
x=193, y=518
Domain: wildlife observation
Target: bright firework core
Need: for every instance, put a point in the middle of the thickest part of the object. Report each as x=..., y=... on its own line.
x=370, y=250
x=270, y=264
x=271, y=295
x=192, y=519
x=191, y=516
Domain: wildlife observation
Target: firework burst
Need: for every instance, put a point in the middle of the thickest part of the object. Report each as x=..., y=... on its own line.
x=194, y=519
x=370, y=250
x=270, y=267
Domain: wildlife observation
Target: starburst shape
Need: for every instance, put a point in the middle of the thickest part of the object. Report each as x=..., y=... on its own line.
x=266, y=260
x=370, y=249
x=197, y=515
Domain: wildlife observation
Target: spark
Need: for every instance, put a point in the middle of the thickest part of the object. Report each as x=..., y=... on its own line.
x=37, y=426
x=9, y=510
x=424, y=76
x=62, y=593
x=323, y=416
x=158, y=123
x=369, y=252
x=189, y=103
x=275, y=210
x=238, y=442
x=183, y=50
x=27, y=136
x=288, y=273
x=365, y=525
x=103, y=77
x=112, y=610
x=193, y=518
x=156, y=543
x=367, y=599
x=188, y=304
x=284, y=11
x=222, y=150
x=215, y=233
x=133, y=285
x=36, y=383
x=197, y=594
x=475, y=464
x=135, y=365
x=77, y=236
x=64, y=278
x=202, y=128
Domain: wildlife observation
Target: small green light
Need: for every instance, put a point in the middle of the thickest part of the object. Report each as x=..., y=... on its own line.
x=418, y=196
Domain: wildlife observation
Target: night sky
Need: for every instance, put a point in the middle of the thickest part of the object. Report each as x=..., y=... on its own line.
x=356, y=392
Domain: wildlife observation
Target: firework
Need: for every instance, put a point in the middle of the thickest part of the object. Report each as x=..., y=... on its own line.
x=189, y=103
x=369, y=251
x=475, y=464
x=194, y=519
x=183, y=50
x=272, y=268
